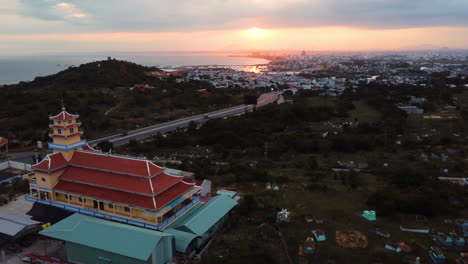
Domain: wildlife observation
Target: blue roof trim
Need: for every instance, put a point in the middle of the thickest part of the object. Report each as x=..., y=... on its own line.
x=67, y=147
x=177, y=201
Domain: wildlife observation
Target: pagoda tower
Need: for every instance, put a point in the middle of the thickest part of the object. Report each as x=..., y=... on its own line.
x=65, y=134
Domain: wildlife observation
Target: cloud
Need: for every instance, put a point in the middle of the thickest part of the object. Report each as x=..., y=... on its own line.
x=196, y=15
x=52, y=10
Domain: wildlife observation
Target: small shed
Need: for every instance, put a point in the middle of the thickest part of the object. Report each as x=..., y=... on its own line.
x=93, y=240
x=13, y=227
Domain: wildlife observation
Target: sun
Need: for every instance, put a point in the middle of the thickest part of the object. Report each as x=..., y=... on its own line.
x=256, y=32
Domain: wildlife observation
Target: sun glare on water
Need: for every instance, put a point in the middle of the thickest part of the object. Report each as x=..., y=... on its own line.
x=256, y=32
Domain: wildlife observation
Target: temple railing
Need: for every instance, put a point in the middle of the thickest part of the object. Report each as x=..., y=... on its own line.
x=126, y=220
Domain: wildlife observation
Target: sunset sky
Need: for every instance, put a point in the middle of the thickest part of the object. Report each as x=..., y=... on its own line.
x=54, y=26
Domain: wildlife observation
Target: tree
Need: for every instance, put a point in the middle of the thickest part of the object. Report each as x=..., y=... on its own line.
x=248, y=204
x=354, y=180
x=105, y=146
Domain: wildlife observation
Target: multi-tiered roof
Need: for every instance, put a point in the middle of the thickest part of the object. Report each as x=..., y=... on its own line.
x=87, y=172
x=119, y=179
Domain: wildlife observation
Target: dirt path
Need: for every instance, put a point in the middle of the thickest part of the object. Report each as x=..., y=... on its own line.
x=112, y=109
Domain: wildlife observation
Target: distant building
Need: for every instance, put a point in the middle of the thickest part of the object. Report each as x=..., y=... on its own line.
x=411, y=110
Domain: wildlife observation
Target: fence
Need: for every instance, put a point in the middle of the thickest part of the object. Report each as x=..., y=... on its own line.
x=15, y=165
x=121, y=219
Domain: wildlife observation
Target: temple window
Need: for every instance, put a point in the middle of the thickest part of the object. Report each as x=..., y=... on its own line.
x=59, y=131
x=72, y=130
x=127, y=209
x=110, y=206
x=69, y=121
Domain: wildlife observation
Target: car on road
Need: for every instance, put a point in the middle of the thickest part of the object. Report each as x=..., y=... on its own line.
x=123, y=134
x=206, y=116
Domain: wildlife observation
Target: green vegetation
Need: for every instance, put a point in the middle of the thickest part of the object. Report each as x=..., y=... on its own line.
x=9, y=190
x=286, y=146
x=99, y=92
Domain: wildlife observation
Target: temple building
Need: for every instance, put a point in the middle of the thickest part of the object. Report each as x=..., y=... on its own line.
x=78, y=178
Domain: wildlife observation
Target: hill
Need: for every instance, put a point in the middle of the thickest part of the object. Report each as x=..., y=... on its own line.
x=99, y=92
x=108, y=73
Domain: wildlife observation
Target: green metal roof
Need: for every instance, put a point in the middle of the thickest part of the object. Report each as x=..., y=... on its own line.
x=173, y=172
x=122, y=239
x=226, y=192
x=203, y=217
x=182, y=239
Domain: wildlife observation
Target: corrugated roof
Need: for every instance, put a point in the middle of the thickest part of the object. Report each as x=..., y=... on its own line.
x=12, y=225
x=182, y=239
x=226, y=192
x=126, y=240
x=173, y=172
x=202, y=218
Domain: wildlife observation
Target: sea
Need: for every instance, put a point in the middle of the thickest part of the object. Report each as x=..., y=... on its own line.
x=14, y=69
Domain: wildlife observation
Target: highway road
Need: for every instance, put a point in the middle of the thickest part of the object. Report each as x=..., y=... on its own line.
x=147, y=132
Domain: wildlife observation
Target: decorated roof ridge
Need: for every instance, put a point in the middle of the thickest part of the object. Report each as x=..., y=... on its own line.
x=120, y=156
x=49, y=160
x=110, y=188
x=168, y=187
x=150, y=182
x=89, y=148
x=64, y=115
x=175, y=186
x=124, y=157
x=65, y=125
x=113, y=171
x=78, y=133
